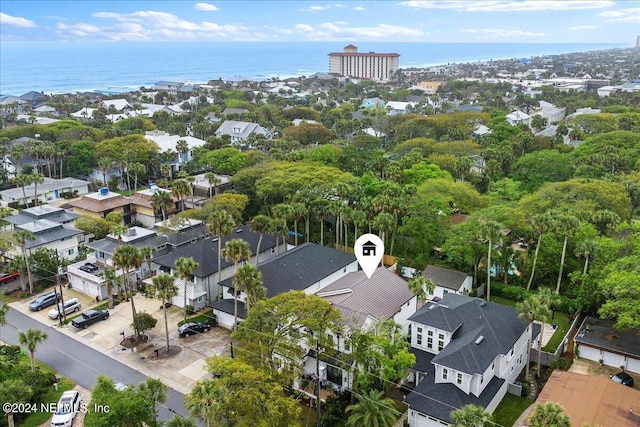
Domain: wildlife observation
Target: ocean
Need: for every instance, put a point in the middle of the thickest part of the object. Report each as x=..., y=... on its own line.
x=68, y=67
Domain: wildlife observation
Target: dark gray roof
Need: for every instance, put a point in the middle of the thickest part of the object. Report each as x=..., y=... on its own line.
x=468, y=319
x=300, y=267
x=177, y=238
x=108, y=245
x=226, y=306
x=49, y=212
x=445, y=277
x=438, y=400
x=50, y=234
x=423, y=360
x=205, y=251
x=601, y=333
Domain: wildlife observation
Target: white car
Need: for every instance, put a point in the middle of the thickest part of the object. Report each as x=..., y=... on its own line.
x=70, y=306
x=66, y=410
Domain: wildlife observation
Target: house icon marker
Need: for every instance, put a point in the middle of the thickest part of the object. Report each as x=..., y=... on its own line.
x=369, y=249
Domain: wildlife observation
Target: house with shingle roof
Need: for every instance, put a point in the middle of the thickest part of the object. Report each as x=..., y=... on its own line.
x=308, y=267
x=239, y=132
x=467, y=351
x=448, y=281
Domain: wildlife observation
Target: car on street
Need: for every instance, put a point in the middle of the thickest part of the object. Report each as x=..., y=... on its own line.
x=623, y=378
x=66, y=409
x=8, y=277
x=71, y=305
x=89, y=317
x=192, y=328
x=44, y=301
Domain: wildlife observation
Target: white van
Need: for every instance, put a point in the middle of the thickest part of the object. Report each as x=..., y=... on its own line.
x=70, y=306
x=66, y=410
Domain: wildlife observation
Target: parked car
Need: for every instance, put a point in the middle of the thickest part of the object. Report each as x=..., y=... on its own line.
x=89, y=267
x=44, y=300
x=70, y=306
x=66, y=409
x=8, y=277
x=192, y=328
x=623, y=378
x=89, y=317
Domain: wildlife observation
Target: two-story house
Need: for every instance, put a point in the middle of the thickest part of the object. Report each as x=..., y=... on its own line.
x=91, y=281
x=52, y=228
x=103, y=202
x=239, y=132
x=467, y=351
x=144, y=210
x=447, y=281
x=308, y=267
x=202, y=288
x=363, y=303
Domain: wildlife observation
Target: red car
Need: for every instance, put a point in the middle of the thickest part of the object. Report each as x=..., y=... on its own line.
x=8, y=277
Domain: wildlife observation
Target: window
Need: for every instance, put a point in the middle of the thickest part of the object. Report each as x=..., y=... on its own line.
x=200, y=298
x=459, y=378
x=511, y=353
x=445, y=373
x=430, y=333
x=70, y=251
x=493, y=365
x=419, y=336
x=519, y=359
x=429, y=342
x=481, y=379
x=440, y=345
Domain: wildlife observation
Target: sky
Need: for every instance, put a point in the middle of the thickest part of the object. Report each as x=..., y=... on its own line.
x=527, y=21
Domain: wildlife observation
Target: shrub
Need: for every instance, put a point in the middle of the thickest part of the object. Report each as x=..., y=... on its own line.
x=514, y=293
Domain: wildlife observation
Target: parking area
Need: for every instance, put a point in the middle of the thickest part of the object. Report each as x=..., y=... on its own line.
x=589, y=367
x=179, y=372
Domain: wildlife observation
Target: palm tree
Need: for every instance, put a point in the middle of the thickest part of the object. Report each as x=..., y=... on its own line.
x=372, y=410
x=298, y=211
x=246, y=277
x=165, y=168
x=180, y=421
x=282, y=212
x=136, y=169
x=21, y=237
x=128, y=257
x=110, y=277
x=156, y=391
x=421, y=287
x=147, y=254
x=164, y=288
x=490, y=231
x=105, y=163
x=180, y=189
x=213, y=180
x=36, y=178
x=17, y=152
x=532, y=309
x=23, y=180
x=541, y=224
x=181, y=147
x=549, y=414
x=184, y=268
x=586, y=249
x=203, y=401
x=550, y=300
x=31, y=338
x=260, y=224
x=4, y=309
x=161, y=201
x=221, y=224
x=471, y=416
x=564, y=225
x=321, y=208
x=236, y=250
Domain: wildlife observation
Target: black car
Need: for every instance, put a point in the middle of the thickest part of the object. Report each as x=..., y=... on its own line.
x=89, y=267
x=89, y=317
x=192, y=328
x=44, y=300
x=623, y=378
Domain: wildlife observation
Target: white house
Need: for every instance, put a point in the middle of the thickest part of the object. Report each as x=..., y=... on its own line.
x=518, y=117
x=241, y=131
x=467, y=351
x=51, y=189
x=397, y=107
x=168, y=142
x=550, y=112
x=448, y=281
x=308, y=267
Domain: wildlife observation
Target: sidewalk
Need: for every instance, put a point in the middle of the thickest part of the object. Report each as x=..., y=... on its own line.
x=180, y=372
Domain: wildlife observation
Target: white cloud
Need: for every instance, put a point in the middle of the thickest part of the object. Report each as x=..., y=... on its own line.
x=622, y=15
x=14, y=21
x=315, y=8
x=508, y=5
x=583, y=27
x=205, y=7
x=501, y=33
x=359, y=8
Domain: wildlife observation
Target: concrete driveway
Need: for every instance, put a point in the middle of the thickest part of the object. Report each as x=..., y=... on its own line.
x=180, y=372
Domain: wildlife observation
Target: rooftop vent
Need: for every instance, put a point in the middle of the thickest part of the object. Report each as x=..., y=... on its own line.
x=479, y=340
x=104, y=191
x=132, y=232
x=239, y=230
x=483, y=303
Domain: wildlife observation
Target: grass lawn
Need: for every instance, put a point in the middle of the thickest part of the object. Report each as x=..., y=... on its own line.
x=503, y=301
x=204, y=317
x=308, y=416
x=52, y=396
x=562, y=320
x=510, y=409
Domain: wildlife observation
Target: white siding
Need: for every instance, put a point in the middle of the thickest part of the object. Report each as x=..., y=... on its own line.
x=402, y=316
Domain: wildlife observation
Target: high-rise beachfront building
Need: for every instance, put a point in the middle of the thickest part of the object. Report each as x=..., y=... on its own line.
x=375, y=66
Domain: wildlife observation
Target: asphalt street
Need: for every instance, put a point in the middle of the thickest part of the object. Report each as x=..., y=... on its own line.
x=81, y=363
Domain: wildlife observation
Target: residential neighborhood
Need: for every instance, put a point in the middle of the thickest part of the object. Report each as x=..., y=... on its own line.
x=202, y=236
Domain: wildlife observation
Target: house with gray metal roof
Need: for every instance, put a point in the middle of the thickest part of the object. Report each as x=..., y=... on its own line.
x=467, y=351
x=307, y=267
x=50, y=189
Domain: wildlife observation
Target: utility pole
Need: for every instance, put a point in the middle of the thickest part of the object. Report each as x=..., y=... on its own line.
x=61, y=304
x=318, y=380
